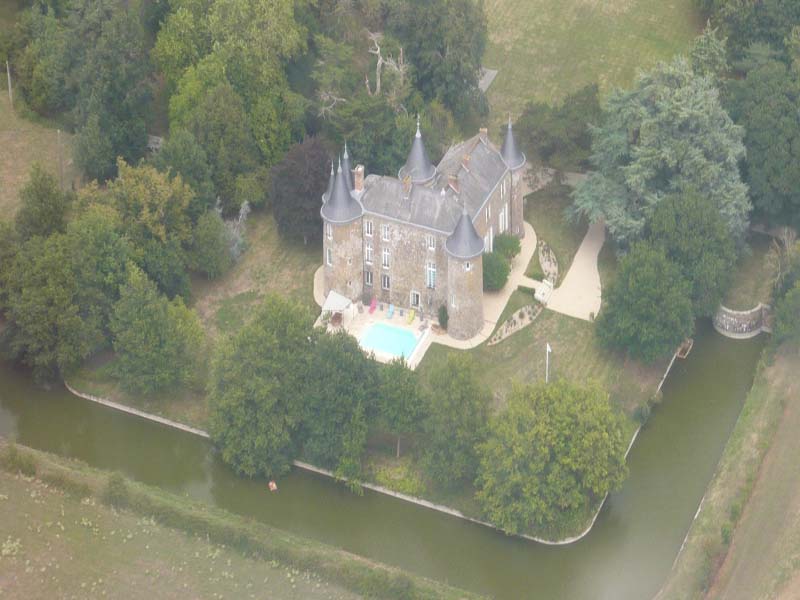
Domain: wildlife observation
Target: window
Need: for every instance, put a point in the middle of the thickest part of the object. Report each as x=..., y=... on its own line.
x=385, y=233
x=414, y=299
x=368, y=253
x=328, y=231
x=468, y=266
x=385, y=258
x=488, y=241
x=368, y=228
x=503, y=190
x=329, y=256
x=488, y=212
x=430, y=242
x=503, y=218
x=430, y=275
x=368, y=278
x=453, y=300
x=385, y=281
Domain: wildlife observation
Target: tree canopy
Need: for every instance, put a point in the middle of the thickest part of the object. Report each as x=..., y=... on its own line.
x=43, y=208
x=403, y=405
x=555, y=450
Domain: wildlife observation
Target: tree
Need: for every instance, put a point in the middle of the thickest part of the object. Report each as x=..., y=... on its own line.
x=553, y=452
x=694, y=236
x=559, y=136
x=256, y=389
x=668, y=135
x=165, y=265
x=787, y=317
x=495, y=271
x=211, y=252
x=297, y=184
x=44, y=206
x=9, y=245
x=765, y=104
x=157, y=341
x=338, y=403
x=648, y=307
x=402, y=404
x=456, y=424
x=507, y=245
x=709, y=56
x=93, y=152
x=182, y=155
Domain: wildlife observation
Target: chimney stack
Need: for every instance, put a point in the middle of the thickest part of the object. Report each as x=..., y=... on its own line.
x=484, y=134
x=358, y=183
x=452, y=180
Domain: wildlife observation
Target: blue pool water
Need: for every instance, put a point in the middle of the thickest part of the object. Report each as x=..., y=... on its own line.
x=382, y=337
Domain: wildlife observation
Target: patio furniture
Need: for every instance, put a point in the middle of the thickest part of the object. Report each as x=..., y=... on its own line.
x=390, y=314
x=372, y=304
x=411, y=314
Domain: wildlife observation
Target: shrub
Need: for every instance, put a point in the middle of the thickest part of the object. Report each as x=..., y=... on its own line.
x=16, y=461
x=116, y=491
x=507, y=245
x=495, y=271
x=443, y=316
x=73, y=487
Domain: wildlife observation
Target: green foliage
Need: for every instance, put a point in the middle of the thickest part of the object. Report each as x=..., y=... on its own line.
x=787, y=317
x=456, y=424
x=297, y=184
x=443, y=317
x=73, y=487
x=256, y=389
x=709, y=56
x=647, y=309
x=694, y=236
x=765, y=104
x=252, y=188
x=165, y=265
x=559, y=136
x=495, y=271
x=9, y=245
x=182, y=155
x=158, y=342
x=44, y=206
x=94, y=153
x=555, y=449
x=402, y=405
x=507, y=245
x=338, y=402
x=20, y=461
x=211, y=246
x=668, y=135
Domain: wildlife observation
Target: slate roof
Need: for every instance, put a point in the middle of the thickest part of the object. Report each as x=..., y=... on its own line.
x=347, y=168
x=341, y=206
x=328, y=191
x=512, y=155
x=464, y=242
x=465, y=177
x=418, y=165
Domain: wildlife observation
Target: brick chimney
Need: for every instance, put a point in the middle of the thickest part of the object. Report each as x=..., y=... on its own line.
x=358, y=181
x=452, y=181
x=465, y=162
x=406, y=187
x=483, y=132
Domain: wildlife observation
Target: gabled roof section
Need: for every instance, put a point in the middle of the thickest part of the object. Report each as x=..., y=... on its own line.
x=511, y=153
x=418, y=165
x=464, y=242
x=341, y=207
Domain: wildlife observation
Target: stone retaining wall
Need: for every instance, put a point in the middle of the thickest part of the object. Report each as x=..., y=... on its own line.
x=742, y=324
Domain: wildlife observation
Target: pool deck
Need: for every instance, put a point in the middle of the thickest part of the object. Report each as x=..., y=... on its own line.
x=493, y=305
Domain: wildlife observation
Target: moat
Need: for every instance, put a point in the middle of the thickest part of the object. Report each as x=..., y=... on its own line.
x=626, y=556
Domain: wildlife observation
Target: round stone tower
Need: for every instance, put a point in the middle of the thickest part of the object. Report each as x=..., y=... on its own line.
x=464, y=280
x=515, y=161
x=341, y=238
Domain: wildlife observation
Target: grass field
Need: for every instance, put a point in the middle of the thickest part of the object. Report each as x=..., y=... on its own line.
x=760, y=463
x=545, y=49
x=545, y=210
x=755, y=274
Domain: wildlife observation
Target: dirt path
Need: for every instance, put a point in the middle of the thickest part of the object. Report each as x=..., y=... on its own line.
x=765, y=551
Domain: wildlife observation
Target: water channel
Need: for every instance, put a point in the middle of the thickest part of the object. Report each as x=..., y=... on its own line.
x=626, y=556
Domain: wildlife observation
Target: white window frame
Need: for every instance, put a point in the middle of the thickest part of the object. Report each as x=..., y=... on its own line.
x=430, y=275
x=368, y=278
x=411, y=299
x=368, y=253
x=453, y=300
x=368, y=228
x=329, y=257
x=385, y=258
x=430, y=242
x=488, y=212
x=329, y=231
x=386, y=283
x=385, y=233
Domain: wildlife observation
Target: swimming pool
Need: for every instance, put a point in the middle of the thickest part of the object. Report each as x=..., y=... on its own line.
x=387, y=339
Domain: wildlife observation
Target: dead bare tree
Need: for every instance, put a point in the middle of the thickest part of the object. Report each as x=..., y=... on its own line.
x=397, y=66
x=328, y=100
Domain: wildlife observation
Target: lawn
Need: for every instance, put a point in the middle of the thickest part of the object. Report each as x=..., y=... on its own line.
x=755, y=274
x=545, y=49
x=758, y=477
x=270, y=264
x=545, y=210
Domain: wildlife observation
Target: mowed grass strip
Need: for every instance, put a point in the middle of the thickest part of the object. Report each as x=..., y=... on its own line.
x=545, y=49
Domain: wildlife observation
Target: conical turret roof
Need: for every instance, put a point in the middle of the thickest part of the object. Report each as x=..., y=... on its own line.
x=340, y=207
x=347, y=168
x=511, y=154
x=464, y=242
x=418, y=165
x=328, y=191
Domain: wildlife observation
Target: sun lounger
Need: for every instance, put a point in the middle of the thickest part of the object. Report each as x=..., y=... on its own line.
x=411, y=314
x=390, y=314
x=373, y=303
